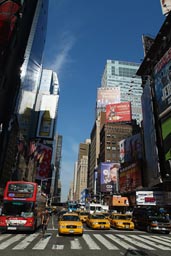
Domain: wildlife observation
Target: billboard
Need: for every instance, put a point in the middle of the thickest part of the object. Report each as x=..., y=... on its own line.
x=162, y=78
x=107, y=95
x=119, y=112
x=166, y=135
x=109, y=177
x=43, y=155
x=131, y=149
x=120, y=201
x=130, y=178
x=47, y=116
x=150, y=198
x=166, y=6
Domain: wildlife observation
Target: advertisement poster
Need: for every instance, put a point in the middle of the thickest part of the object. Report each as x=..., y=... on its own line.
x=109, y=177
x=43, y=154
x=162, y=77
x=131, y=149
x=130, y=178
x=107, y=96
x=150, y=198
x=119, y=112
x=166, y=134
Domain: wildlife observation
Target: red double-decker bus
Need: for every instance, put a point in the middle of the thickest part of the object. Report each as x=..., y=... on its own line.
x=22, y=206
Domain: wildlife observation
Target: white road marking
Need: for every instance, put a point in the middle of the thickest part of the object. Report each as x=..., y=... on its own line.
x=42, y=243
x=23, y=244
x=75, y=244
x=90, y=242
x=105, y=242
x=10, y=241
x=158, y=240
x=146, y=241
x=58, y=247
x=120, y=242
x=136, y=243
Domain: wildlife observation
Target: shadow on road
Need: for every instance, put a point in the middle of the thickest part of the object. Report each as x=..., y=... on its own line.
x=131, y=252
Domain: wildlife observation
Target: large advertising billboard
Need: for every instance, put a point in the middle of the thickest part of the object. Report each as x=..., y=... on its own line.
x=107, y=95
x=150, y=198
x=119, y=112
x=109, y=177
x=166, y=135
x=130, y=178
x=162, y=77
x=131, y=149
x=47, y=116
x=43, y=154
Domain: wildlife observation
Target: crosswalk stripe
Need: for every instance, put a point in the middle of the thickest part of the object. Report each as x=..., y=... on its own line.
x=137, y=243
x=93, y=242
x=157, y=240
x=2, y=237
x=105, y=242
x=168, y=239
x=42, y=243
x=75, y=244
x=90, y=242
x=25, y=242
x=150, y=242
x=10, y=241
x=120, y=242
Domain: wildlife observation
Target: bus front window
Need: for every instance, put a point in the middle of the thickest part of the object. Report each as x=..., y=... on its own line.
x=24, y=209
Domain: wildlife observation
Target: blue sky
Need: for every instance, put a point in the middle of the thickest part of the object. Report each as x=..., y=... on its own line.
x=81, y=36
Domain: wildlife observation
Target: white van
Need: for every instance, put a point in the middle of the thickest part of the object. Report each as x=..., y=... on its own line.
x=93, y=207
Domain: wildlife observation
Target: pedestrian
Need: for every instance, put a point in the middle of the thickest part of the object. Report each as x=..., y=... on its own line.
x=45, y=219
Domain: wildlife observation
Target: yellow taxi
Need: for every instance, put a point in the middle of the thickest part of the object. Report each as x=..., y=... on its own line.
x=121, y=221
x=97, y=221
x=83, y=215
x=106, y=214
x=70, y=223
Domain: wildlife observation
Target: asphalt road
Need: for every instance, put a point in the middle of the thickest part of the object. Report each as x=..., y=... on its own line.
x=93, y=243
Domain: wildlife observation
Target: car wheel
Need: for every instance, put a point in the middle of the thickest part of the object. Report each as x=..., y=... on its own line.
x=167, y=232
x=149, y=229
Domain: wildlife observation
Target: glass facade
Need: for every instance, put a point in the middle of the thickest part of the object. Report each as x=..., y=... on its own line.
x=123, y=75
x=31, y=69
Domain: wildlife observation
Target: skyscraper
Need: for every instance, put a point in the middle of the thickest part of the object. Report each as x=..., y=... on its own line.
x=121, y=75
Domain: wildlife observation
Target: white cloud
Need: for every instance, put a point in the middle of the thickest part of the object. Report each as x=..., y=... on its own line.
x=63, y=48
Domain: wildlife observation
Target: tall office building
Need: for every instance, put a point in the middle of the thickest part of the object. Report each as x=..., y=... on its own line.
x=21, y=63
x=121, y=77
x=82, y=168
x=31, y=70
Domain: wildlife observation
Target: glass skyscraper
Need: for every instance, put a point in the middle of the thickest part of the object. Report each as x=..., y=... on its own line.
x=122, y=75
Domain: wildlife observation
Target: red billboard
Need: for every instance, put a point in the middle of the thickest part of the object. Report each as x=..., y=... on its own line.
x=43, y=154
x=119, y=112
x=130, y=178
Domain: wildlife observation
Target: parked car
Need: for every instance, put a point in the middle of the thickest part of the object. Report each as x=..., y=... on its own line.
x=121, y=221
x=151, y=219
x=70, y=223
x=97, y=221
